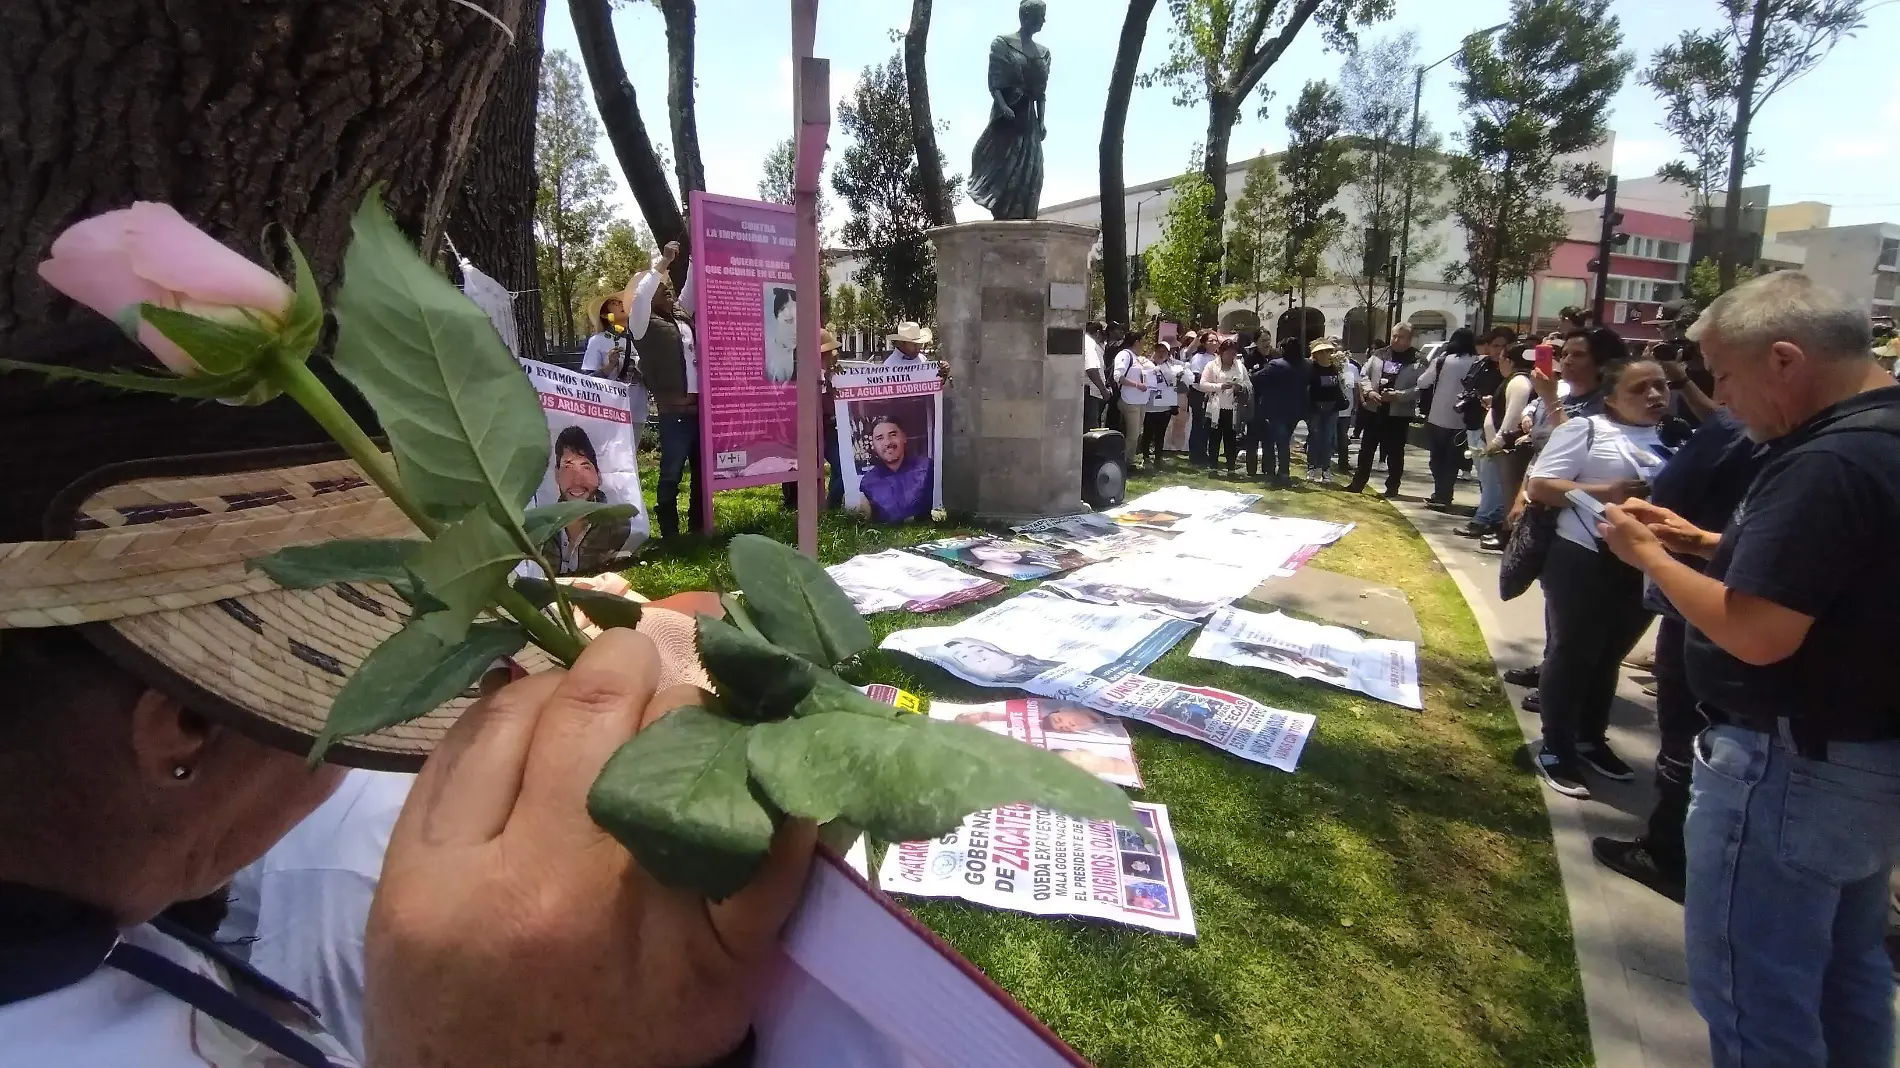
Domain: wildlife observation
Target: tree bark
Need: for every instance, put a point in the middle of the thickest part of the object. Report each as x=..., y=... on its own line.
x=923, y=130
x=239, y=115
x=620, y=114
x=1221, y=115
x=1738, y=149
x=683, y=118
x=1121, y=86
x=492, y=222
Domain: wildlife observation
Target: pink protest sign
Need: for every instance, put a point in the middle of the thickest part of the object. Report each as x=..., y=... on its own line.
x=747, y=335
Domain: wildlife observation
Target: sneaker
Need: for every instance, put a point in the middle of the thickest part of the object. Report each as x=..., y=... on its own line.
x=1492, y=543
x=1533, y=703
x=1526, y=676
x=1473, y=530
x=1439, y=506
x=1563, y=773
x=1635, y=861
x=1390, y=495
x=1598, y=758
x=1640, y=661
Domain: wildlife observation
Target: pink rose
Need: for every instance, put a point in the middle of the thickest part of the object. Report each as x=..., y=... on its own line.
x=148, y=253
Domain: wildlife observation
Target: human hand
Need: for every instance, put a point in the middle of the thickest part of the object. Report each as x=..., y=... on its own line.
x=1628, y=537
x=1676, y=534
x=1624, y=489
x=1545, y=386
x=1006, y=113
x=669, y=253
x=509, y=931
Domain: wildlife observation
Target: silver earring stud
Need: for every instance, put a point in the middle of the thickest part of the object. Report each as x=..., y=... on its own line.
x=181, y=772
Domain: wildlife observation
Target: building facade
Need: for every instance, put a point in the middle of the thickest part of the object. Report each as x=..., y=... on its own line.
x=1861, y=261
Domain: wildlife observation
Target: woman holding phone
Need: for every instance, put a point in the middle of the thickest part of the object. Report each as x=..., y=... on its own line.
x=1593, y=602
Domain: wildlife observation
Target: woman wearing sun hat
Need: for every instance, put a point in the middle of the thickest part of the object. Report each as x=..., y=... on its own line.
x=156, y=700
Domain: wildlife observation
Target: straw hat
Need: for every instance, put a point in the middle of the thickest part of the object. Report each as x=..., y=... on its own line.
x=912, y=333
x=592, y=310
x=145, y=559
x=827, y=341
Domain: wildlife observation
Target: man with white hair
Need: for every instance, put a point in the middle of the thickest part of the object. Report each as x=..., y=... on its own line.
x=1794, y=820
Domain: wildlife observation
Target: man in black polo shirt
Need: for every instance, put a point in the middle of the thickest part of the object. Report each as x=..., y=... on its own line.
x=1795, y=817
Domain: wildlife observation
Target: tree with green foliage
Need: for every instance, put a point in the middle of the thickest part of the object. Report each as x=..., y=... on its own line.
x=1312, y=170
x=625, y=250
x=1252, y=249
x=571, y=209
x=1534, y=95
x=1705, y=281
x=844, y=308
x=1714, y=82
x=775, y=186
x=1220, y=51
x=1378, y=122
x=876, y=175
x=1178, y=271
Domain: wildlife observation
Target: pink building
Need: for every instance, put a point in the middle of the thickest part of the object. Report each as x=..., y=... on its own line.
x=1650, y=268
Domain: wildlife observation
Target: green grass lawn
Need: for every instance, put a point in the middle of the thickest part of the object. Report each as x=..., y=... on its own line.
x=1394, y=902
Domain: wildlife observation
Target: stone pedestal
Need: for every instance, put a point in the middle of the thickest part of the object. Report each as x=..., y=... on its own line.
x=1012, y=299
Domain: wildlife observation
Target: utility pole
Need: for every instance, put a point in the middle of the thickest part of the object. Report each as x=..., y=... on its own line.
x=1608, y=240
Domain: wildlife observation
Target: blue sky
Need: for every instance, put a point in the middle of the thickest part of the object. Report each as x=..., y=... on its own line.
x=1834, y=136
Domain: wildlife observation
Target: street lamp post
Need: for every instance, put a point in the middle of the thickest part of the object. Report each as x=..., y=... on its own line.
x=1137, y=252
x=1411, y=168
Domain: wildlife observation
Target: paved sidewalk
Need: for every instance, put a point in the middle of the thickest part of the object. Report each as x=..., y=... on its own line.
x=1629, y=938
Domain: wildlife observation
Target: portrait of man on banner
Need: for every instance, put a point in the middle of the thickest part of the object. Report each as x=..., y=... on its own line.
x=897, y=473
x=592, y=456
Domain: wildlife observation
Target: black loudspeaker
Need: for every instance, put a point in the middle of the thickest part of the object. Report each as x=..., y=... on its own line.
x=1104, y=468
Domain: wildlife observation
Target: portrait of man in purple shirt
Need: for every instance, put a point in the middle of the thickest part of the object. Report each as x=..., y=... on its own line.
x=898, y=483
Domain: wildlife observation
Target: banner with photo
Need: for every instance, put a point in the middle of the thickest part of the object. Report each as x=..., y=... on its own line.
x=890, y=438
x=1028, y=859
x=892, y=579
x=1175, y=507
x=1240, y=725
x=1012, y=643
x=1183, y=586
x=1017, y=559
x=1091, y=534
x=746, y=334
x=591, y=457
x=1377, y=667
x=1088, y=739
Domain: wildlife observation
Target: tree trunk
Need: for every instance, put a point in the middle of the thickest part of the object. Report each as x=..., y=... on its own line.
x=1221, y=115
x=492, y=222
x=1121, y=86
x=620, y=114
x=922, y=130
x=679, y=15
x=1738, y=148
x=239, y=115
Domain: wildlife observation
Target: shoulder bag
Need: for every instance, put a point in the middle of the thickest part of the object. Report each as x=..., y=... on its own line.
x=1525, y=553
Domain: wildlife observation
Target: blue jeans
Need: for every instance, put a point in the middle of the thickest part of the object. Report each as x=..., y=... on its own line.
x=1491, y=502
x=679, y=455
x=1787, y=899
x=1276, y=437
x=1321, y=440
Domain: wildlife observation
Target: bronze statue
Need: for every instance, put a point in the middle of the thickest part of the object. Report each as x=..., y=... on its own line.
x=1006, y=165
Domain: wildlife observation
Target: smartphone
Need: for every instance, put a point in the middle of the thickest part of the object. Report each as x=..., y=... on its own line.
x=1543, y=357
x=1589, y=505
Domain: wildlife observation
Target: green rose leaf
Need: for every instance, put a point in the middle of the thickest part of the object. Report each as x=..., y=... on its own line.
x=539, y=592
x=305, y=323
x=412, y=674
x=606, y=610
x=757, y=680
x=244, y=385
x=306, y=567
x=541, y=523
x=794, y=603
x=676, y=795
x=833, y=694
x=464, y=423
x=464, y=568
x=220, y=348
x=914, y=777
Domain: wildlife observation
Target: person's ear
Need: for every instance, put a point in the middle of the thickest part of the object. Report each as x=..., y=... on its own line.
x=169, y=741
x=1783, y=357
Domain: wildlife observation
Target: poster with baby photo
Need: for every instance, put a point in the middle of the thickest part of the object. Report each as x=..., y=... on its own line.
x=591, y=457
x=890, y=438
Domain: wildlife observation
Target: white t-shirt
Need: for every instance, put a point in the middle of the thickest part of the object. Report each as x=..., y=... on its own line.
x=1092, y=353
x=1132, y=368
x=1167, y=383
x=111, y=1019
x=896, y=357
x=1612, y=453
x=310, y=895
x=599, y=347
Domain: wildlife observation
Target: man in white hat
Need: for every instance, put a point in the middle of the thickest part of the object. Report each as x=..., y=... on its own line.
x=907, y=344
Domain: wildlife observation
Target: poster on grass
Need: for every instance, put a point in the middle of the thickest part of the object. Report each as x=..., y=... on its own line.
x=890, y=438
x=592, y=456
x=1028, y=859
x=893, y=579
x=746, y=335
x=1223, y=719
x=1096, y=743
x=1377, y=667
x=1011, y=558
x=1012, y=643
x=1173, y=508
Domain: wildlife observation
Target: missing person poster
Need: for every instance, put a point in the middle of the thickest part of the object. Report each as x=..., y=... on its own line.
x=591, y=457
x=1012, y=558
x=1184, y=586
x=1377, y=667
x=893, y=579
x=1094, y=742
x=1025, y=636
x=746, y=337
x=1091, y=534
x=1175, y=507
x=1028, y=859
x=1240, y=725
x=890, y=439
